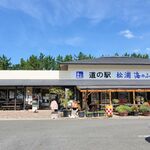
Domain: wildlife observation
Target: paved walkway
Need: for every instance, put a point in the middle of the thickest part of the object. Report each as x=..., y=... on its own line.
x=25, y=114
x=46, y=115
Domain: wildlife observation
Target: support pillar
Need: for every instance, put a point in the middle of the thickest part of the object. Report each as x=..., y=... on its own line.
x=110, y=102
x=75, y=93
x=146, y=96
x=15, y=97
x=24, y=98
x=133, y=97
x=129, y=100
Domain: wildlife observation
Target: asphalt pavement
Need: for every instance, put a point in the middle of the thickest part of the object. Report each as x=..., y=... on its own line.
x=92, y=134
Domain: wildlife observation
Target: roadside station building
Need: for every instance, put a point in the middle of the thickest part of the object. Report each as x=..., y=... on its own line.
x=96, y=81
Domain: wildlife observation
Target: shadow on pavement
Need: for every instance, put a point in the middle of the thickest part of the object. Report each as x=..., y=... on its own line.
x=147, y=139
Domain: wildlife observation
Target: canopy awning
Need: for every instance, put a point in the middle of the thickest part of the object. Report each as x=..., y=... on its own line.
x=81, y=84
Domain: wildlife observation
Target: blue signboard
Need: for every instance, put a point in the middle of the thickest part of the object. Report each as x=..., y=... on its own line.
x=79, y=74
x=125, y=75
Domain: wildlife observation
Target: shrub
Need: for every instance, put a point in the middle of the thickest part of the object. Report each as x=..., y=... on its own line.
x=144, y=108
x=134, y=108
x=115, y=101
x=101, y=112
x=89, y=113
x=123, y=109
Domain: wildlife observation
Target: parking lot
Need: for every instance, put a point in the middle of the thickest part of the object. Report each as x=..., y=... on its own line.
x=86, y=134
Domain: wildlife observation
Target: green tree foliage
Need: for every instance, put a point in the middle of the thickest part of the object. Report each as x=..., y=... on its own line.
x=136, y=55
x=116, y=54
x=16, y=67
x=5, y=63
x=68, y=58
x=33, y=63
x=59, y=91
x=82, y=56
x=59, y=59
x=47, y=62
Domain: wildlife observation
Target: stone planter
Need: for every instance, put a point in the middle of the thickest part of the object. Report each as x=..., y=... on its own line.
x=123, y=114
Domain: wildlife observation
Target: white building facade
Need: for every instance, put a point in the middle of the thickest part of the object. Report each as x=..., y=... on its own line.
x=98, y=80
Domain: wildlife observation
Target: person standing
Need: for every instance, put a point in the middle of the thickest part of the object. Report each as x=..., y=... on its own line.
x=54, y=106
x=74, y=109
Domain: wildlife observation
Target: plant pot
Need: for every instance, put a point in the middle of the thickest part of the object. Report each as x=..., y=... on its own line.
x=89, y=114
x=101, y=114
x=135, y=113
x=146, y=113
x=66, y=113
x=81, y=114
x=95, y=114
x=123, y=114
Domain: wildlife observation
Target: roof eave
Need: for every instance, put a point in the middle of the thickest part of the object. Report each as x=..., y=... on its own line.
x=103, y=64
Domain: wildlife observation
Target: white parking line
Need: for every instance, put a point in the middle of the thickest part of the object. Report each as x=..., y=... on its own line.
x=143, y=136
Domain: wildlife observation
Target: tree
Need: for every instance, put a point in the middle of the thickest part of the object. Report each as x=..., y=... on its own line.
x=23, y=64
x=5, y=63
x=58, y=90
x=82, y=56
x=59, y=59
x=68, y=58
x=116, y=54
x=16, y=67
x=41, y=60
x=126, y=54
x=33, y=63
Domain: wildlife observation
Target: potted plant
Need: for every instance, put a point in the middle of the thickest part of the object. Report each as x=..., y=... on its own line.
x=139, y=100
x=89, y=114
x=135, y=110
x=81, y=113
x=66, y=110
x=115, y=101
x=123, y=110
x=66, y=101
x=145, y=109
x=95, y=114
x=101, y=112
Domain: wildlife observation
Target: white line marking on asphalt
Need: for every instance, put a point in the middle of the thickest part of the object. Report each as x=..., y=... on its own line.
x=143, y=136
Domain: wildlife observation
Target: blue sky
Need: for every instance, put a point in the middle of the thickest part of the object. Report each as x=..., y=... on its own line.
x=63, y=27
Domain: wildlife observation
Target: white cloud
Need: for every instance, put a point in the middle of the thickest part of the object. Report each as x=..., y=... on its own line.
x=127, y=33
x=148, y=49
x=70, y=41
x=136, y=50
x=58, y=12
x=74, y=41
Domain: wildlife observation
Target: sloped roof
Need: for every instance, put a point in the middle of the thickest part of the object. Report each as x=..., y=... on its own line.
x=83, y=83
x=110, y=61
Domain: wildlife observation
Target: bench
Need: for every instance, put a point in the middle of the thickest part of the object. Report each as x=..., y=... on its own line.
x=10, y=107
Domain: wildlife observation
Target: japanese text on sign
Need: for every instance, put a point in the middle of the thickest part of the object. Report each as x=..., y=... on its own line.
x=133, y=75
x=99, y=74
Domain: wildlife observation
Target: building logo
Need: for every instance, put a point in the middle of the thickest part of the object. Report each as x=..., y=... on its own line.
x=79, y=75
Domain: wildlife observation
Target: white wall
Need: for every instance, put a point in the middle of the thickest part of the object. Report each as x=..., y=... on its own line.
x=71, y=73
x=24, y=74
